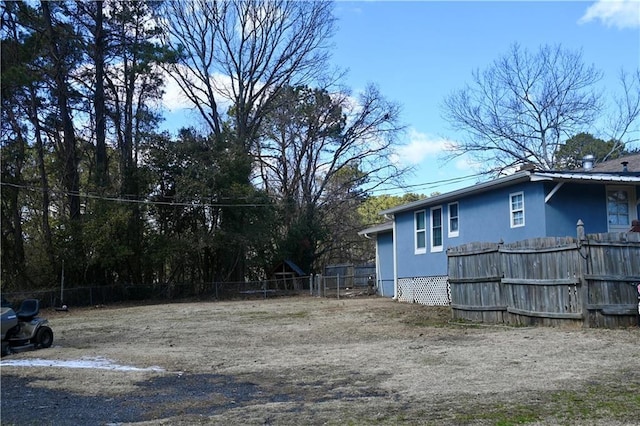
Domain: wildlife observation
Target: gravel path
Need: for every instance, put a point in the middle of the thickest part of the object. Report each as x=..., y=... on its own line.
x=160, y=397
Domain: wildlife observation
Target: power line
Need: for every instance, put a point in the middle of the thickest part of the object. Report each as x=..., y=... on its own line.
x=430, y=185
x=135, y=201
x=397, y=189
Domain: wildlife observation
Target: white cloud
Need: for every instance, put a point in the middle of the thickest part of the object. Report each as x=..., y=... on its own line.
x=420, y=147
x=175, y=99
x=614, y=13
x=469, y=164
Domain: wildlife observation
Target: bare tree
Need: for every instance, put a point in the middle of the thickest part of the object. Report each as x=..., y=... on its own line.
x=622, y=124
x=523, y=106
x=235, y=58
x=314, y=134
x=240, y=54
x=320, y=153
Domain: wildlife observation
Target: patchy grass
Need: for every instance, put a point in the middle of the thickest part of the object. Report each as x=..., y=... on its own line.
x=273, y=316
x=615, y=398
x=304, y=360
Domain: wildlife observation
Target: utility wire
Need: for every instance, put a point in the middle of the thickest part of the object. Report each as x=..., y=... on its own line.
x=136, y=201
x=429, y=185
x=398, y=189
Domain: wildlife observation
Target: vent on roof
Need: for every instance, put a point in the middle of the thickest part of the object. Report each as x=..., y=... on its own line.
x=587, y=162
x=625, y=165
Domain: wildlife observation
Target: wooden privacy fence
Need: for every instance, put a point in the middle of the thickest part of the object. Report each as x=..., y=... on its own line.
x=590, y=281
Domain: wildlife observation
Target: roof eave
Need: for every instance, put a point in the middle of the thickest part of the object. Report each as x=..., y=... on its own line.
x=522, y=176
x=377, y=229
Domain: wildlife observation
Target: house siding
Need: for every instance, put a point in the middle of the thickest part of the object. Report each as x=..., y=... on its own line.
x=484, y=214
x=482, y=217
x=575, y=202
x=385, y=264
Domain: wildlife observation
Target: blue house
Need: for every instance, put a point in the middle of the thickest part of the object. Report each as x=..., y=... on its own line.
x=383, y=235
x=411, y=247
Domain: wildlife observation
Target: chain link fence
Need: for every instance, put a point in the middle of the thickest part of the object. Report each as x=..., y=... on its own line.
x=345, y=281
x=104, y=295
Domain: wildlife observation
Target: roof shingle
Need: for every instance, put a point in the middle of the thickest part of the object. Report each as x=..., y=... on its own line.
x=616, y=165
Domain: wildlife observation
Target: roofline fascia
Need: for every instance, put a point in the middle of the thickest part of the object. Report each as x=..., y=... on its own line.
x=377, y=229
x=522, y=176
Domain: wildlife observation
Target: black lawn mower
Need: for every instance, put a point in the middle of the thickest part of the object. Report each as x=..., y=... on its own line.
x=24, y=330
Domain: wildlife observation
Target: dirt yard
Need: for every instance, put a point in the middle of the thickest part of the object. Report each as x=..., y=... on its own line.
x=314, y=361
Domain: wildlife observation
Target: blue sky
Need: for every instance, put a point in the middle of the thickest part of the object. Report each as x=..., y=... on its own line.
x=418, y=52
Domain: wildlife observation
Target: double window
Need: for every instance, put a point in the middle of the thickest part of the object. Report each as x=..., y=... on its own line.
x=516, y=204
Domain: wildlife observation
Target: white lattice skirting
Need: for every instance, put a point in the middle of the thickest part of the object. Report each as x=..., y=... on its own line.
x=432, y=291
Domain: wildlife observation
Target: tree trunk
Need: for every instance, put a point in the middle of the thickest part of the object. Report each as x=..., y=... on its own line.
x=71, y=180
x=101, y=147
x=44, y=181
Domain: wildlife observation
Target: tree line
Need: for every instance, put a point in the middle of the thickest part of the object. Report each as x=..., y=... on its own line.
x=274, y=168
x=280, y=161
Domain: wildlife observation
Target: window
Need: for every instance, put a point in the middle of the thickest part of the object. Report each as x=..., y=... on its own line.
x=436, y=229
x=619, y=208
x=421, y=232
x=453, y=220
x=516, y=201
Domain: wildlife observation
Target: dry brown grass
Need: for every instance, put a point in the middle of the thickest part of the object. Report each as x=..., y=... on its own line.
x=307, y=360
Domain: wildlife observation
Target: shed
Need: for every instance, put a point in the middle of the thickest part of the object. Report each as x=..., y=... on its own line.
x=287, y=276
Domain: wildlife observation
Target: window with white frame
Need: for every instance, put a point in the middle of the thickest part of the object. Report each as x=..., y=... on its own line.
x=420, y=220
x=436, y=229
x=516, y=204
x=454, y=222
x=620, y=208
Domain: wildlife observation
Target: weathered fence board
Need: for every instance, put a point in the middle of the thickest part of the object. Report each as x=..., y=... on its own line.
x=474, y=278
x=612, y=268
x=540, y=280
x=548, y=281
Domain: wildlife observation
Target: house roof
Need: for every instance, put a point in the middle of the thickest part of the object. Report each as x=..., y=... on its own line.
x=583, y=177
x=377, y=229
x=626, y=177
x=633, y=164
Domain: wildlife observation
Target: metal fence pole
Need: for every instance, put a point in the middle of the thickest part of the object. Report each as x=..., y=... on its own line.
x=324, y=286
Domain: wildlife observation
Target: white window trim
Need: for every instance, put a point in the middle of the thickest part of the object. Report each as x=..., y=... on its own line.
x=450, y=233
x=435, y=248
x=633, y=206
x=512, y=211
x=419, y=250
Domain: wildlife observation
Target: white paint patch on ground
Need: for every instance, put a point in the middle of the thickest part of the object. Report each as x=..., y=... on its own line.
x=98, y=363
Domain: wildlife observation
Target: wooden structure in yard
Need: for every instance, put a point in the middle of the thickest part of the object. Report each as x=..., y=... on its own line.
x=589, y=281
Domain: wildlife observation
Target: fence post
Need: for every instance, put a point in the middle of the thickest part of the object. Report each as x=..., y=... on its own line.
x=580, y=230
x=338, y=285
x=324, y=286
x=62, y=285
x=582, y=270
